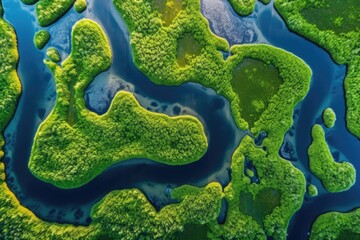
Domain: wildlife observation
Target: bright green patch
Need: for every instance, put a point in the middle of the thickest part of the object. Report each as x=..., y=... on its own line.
x=260, y=205
x=168, y=9
x=53, y=54
x=80, y=5
x=49, y=12
x=41, y=38
x=243, y=7
x=188, y=48
x=255, y=82
x=335, y=177
x=329, y=117
x=312, y=190
x=337, y=15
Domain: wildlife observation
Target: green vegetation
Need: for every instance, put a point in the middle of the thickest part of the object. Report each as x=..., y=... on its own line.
x=168, y=9
x=74, y=145
x=193, y=231
x=337, y=226
x=329, y=117
x=187, y=49
x=335, y=177
x=80, y=5
x=257, y=210
x=49, y=12
x=155, y=51
x=335, y=26
x=243, y=7
x=312, y=190
x=41, y=38
x=260, y=205
x=255, y=82
x=53, y=54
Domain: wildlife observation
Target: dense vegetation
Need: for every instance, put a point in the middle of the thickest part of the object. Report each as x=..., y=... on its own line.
x=49, y=12
x=335, y=177
x=274, y=198
x=312, y=190
x=41, y=38
x=80, y=5
x=156, y=52
x=245, y=7
x=53, y=54
x=329, y=117
x=74, y=145
x=334, y=27
x=337, y=226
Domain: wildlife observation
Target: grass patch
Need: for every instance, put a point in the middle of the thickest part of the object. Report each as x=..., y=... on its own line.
x=187, y=49
x=193, y=231
x=168, y=9
x=255, y=82
x=337, y=15
x=261, y=205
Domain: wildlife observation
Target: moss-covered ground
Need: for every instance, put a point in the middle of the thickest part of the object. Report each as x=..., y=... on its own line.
x=168, y=9
x=188, y=48
x=334, y=25
x=335, y=176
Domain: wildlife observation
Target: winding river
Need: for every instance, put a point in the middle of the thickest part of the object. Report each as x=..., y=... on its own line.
x=263, y=26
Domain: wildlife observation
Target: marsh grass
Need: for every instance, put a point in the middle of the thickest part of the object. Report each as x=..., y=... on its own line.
x=338, y=15
x=192, y=231
x=168, y=9
x=262, y=205
x=187, y=49
x=255, y=82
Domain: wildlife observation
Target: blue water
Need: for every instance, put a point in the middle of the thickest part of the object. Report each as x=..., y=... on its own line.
x=264, y=26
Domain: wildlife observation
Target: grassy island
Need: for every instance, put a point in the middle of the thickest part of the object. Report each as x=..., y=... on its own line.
x=333, y=25
x=80, y=5
x=335, y=177
x=159, y=52
x=312, y=190
x=329, y=117
x=245, y=7
x=261, y=209
x=337, y=226
x=41, y=38
x=49, y=12
x=53, y=54
x=74, y=145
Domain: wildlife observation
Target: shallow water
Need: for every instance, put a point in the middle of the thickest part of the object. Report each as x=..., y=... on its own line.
x=266, y=26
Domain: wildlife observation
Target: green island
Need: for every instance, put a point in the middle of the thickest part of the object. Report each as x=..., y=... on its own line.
x=336, y=177
x=257, y=210
x=312, y=190
x=337, y=226
x=245, y=7
x=329, y=117
x=157, y=50
x=53, y=54
x=333, y=25
x=80, y=5
x=126, y=131
x=41, y=38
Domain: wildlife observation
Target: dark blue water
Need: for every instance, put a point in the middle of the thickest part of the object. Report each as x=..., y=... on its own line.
x=37, y=100
x=266, y=26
